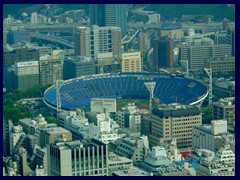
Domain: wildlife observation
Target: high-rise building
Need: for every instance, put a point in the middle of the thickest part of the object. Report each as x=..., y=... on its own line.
x=225, y=23
x=220, y=38
x=25, y=75
x=144, y=41
x=221, y=65
x=131, y=62
x=73, y=68
x=231, y=38
x=13, y=55
x=50, y=70
x=90, y=42
x=163, y=53
x=174, y=121
x=197, y=53
x=34, y=18
x=109, y=15
x=225, y=109
x=97, y=14
x=116, y=15
x=7, y=130
x=74, y=158
x=16, y=36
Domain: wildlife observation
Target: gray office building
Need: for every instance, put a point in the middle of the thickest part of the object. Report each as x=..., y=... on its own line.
x=76, y=67
x=17, y=36
x=197, y=53
x=109, y=15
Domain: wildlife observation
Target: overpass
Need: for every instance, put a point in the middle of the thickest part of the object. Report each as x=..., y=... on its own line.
x=65, y=42
x=185, y=26
x=141, y=25
x=45, y=28
x=53, y=39
x=130, y=39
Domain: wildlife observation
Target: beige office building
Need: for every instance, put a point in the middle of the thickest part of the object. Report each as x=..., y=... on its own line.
x=223, y=65
x=225, y=109
x=131, y=62
x=174, y=121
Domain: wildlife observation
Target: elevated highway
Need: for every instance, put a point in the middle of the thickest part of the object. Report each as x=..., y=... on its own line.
x=53, y=39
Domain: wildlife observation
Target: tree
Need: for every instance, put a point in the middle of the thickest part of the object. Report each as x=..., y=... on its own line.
x=52, y=120
x=15, y=113
x=207, y=113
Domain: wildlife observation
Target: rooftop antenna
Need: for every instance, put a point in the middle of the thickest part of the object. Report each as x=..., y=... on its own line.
x=150, y=86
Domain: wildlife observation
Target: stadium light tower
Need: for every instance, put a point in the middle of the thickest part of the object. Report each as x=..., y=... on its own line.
x=209, y=73
x=59, y=84
x=150, y=86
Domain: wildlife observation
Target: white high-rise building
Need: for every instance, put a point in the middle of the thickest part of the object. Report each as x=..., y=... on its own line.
x=74, y=158
x=34, y=18
x=90, y=42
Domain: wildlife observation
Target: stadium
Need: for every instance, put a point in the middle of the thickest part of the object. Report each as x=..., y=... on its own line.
x=77, y=93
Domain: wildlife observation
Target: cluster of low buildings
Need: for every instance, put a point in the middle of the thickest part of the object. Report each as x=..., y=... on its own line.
x=170, y=141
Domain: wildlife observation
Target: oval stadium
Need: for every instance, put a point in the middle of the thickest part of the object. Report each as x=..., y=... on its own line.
x=77, y=93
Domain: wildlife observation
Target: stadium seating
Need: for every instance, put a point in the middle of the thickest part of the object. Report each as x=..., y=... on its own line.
x=78, y=92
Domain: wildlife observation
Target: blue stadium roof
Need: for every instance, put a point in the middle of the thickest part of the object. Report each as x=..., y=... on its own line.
x=77, y=93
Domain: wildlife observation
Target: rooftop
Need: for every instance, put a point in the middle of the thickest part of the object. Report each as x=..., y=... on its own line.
x=114, y=158
x=134, y=171
x=225, y=102
x=175, y=109
x=57, y=130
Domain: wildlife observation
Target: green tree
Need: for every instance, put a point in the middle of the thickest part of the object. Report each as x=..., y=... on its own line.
x=220, y=95
x=207, y=114
x=15, y=113
x=8, y=102
x=52, y=120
